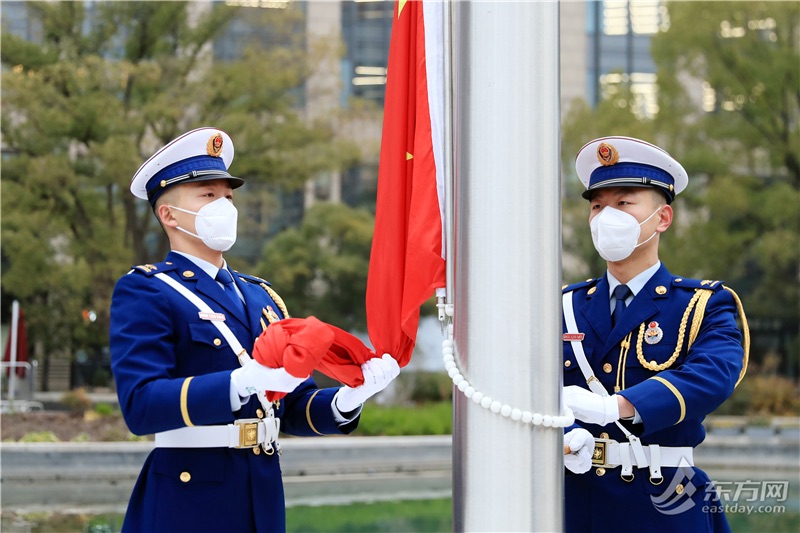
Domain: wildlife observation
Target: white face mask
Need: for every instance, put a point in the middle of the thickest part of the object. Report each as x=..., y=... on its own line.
x=215, y=224
x=615, y=233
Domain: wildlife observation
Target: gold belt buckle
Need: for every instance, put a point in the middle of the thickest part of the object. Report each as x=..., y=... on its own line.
x=248, y=432
x=599, y=454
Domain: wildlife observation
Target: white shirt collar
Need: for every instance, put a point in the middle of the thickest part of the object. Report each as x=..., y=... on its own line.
x=204, y=265
x=635, y=285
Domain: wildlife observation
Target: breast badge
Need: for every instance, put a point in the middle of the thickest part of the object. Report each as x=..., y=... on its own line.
x=653, y=334
x=271, y=315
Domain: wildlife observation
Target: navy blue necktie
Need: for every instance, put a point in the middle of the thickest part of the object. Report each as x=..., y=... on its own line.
x=620, y=293
x=224, y=277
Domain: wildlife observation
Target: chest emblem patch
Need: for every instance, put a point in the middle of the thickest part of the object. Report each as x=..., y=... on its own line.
x=653, y=334
x=271, y=315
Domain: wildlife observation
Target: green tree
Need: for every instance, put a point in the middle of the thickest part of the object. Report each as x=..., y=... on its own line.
x=739, y=218
x=107, y=84
x=321, y=267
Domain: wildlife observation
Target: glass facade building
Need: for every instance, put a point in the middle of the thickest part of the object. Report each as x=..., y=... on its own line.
x=618, y=52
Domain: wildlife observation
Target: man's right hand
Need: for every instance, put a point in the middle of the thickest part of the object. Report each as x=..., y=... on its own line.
x=254, y=377
x=581, y=448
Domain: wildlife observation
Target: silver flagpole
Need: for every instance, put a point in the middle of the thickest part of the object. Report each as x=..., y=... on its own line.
x=507, y=475
x=448, y=145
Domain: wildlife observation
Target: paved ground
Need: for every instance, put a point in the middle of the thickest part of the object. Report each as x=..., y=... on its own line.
x=326, y=470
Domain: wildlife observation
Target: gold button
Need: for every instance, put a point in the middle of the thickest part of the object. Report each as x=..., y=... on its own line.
x=256, y=450
x=604, y=435
x=163, y=183
x=600, y=471
x=590, y=279
x=653, y=363
x=607, y=368
x=567, y=363
x=661, y=289
x=186, y=477
x=678, y=280
x=592, y=290
x=260, y=413
x=217, y=342
x=188, y=274
x=679, y=489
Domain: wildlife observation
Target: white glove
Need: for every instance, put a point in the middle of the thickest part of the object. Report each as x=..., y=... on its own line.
x=581, y=447
x=590, y=407
x=378, y=373
x=254, y=377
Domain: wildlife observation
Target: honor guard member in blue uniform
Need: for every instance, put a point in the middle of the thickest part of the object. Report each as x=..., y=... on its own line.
x=181, y=332
x=647, y=355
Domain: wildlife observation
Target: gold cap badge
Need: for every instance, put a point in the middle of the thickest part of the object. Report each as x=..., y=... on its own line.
x=214, y=146
x=607, y=154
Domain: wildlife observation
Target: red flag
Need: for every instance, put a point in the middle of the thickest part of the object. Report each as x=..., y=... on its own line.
x=301, y=345
x=406, y=262
x=22, y=346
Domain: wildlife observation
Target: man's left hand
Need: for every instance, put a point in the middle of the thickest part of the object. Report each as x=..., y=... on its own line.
x=590, y=407
x=581, y=446
x=378, y=373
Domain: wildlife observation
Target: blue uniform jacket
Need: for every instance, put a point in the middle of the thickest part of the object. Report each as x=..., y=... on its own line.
x=172, y=369
x=672, y=385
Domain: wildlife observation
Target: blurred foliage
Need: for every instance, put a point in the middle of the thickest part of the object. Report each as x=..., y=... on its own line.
x=40, y=436
x=107, y=85
x=81, y=437
x=320, y=268
x=104, y=409
x=739, y=218
x=385, y=517
x=62, y=522
x=394, y=516
x=764, y=393
x=775, y=522
x=77, y=401
x=422, y=387
x=424, y=419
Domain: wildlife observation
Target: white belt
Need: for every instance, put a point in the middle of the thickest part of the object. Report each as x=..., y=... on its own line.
x=611, y=454
x=243, y=433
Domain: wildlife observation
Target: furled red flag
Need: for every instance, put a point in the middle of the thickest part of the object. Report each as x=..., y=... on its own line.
x=406, y=262
x=22, y=345
x=301, y=345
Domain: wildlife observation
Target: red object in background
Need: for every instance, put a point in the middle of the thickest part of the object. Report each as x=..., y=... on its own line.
x=302, y=345
x=406, y=264
x=22, y=346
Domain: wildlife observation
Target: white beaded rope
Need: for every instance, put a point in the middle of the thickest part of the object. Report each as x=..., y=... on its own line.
x=496, y=406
